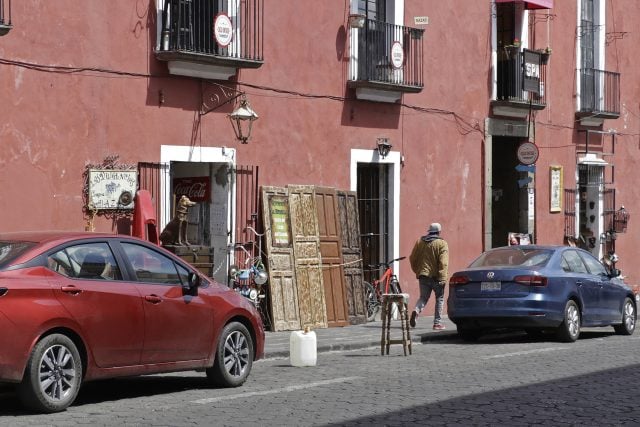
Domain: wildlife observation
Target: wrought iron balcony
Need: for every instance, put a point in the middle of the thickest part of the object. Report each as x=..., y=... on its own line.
x=599, y=94
x=188, y=33
x=387, y=57
x=5, y=17
x=522, y=77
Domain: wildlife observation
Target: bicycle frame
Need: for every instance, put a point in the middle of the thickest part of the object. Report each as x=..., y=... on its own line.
x=387, y=283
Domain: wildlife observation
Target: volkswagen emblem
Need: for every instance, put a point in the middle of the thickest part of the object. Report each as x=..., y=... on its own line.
x=490, y=275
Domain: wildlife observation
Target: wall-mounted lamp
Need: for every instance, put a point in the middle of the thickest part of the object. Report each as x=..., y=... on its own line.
x=383, y=147
x=356, y=20
x=239, y=119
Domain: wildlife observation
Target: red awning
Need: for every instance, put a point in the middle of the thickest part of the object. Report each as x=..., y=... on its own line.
x=532, y=4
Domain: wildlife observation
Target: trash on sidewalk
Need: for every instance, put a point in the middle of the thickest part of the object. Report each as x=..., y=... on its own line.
x=303, y=348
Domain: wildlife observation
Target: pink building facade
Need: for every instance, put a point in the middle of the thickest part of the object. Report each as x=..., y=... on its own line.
x=453, y=89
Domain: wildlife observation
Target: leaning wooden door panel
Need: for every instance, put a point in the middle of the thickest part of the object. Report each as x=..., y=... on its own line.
x=331, y=255
x=306, y=249
x=352, y=255
x=283, y=296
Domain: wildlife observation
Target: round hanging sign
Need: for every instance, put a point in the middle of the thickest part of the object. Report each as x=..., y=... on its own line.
x=223, y=29
x=528, y=153
x=397, y=55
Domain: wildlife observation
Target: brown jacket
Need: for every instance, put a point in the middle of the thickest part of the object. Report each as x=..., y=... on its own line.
x=430, y=258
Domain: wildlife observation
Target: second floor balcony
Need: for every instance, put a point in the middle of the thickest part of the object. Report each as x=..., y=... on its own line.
x=5, y=17
x=521, y=79
x=386, y=60
x=599, y=96
x=208, y=39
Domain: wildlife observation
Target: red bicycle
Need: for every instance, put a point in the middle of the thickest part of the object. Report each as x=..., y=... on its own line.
x=386, y=284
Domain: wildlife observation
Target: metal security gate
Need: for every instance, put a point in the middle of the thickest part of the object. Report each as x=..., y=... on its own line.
x=247, y=211
x=149, y=179
x=373, y=208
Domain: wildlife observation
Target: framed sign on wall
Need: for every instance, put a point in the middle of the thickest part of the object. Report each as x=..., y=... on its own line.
x=555, y=188
x=112, y=188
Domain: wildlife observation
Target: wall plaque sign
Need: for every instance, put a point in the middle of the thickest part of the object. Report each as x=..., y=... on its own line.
x=112, y=188
x=280, y=224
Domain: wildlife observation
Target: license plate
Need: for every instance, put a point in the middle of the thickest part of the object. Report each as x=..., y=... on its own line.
x=490, y=286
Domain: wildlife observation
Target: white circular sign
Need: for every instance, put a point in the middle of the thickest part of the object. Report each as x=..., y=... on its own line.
x=528, y=153
x=397, y=55
x=223, y=29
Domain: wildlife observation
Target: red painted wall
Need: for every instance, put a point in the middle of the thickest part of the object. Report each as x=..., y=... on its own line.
x=55, y=121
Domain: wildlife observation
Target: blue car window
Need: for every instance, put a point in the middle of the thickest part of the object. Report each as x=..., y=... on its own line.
x=595, y=267
x=573, y=260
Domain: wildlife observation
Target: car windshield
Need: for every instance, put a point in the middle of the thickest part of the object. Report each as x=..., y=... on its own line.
x=10, y=250
x=513, y=256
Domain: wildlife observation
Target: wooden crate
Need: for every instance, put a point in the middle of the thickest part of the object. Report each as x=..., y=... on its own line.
x=201, y=257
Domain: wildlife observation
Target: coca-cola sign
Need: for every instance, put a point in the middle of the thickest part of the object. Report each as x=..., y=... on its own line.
x=197, y=189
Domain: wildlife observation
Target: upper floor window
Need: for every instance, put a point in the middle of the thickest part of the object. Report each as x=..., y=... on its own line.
x=373, y=9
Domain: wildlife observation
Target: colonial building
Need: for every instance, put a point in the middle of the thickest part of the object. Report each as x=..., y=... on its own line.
x=340, y=129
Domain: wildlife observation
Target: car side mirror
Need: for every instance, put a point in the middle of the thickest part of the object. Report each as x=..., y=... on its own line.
x=614, y=272
x=193, y=282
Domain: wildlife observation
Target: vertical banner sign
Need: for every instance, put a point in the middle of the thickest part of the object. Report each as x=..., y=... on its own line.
x=280, y=225
x=531, y=71
x=555, y=191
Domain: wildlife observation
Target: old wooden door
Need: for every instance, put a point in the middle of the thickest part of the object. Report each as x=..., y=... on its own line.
x=306, y=249
x=352, y=256
x=331, y=256
x=283, y=296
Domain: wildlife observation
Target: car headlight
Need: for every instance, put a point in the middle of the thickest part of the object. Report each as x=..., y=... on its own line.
x=253, y=294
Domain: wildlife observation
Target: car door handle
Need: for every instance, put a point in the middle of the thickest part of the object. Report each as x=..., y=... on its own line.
x=579, y=283
x=71, y=290
x=154, y=299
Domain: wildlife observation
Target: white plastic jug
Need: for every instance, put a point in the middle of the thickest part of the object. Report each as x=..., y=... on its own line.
x=303, y=348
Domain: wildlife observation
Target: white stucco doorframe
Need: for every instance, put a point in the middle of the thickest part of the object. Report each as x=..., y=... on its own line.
x=393, y=158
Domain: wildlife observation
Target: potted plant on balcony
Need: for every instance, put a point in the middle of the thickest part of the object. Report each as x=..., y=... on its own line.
x=544, y=55
x=512, y=49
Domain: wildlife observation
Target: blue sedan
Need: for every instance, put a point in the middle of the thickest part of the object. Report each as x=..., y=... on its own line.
x=537, y=288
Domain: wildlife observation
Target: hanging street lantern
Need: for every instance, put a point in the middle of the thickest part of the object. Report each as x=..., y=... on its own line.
x=242, y=119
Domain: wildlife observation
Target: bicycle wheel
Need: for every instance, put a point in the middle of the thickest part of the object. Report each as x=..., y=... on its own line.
x=371, y=301
x=395, y=286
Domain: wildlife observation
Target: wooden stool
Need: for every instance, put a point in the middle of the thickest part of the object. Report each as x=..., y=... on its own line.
x=401, y=300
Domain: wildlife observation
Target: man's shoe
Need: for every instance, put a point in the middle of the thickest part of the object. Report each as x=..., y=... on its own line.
x=439, y=327
x=412, y=321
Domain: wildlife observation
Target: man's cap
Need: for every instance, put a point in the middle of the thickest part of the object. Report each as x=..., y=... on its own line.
x=435, y=228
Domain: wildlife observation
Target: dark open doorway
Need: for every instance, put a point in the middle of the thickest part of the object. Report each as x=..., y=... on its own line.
x=373, y=205
x=509, y=201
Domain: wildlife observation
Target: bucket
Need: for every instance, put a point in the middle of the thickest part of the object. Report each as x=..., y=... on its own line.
x=303, y=348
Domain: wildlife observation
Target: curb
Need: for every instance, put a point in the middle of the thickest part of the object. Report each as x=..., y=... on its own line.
x=327, y=348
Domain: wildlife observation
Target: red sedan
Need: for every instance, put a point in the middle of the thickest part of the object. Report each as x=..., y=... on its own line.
x=76, y=307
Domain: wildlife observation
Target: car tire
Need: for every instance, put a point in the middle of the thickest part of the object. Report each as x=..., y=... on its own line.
x=52, y=376
x=234, y=356
x=628, y=324
x=569, y=329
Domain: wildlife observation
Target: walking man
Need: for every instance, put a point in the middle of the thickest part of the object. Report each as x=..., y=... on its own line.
x=430, y=262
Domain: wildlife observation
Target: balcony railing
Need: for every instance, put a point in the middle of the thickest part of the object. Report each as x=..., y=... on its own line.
x=5, y=17
x=188, y=29
x=599, y=92
x=511, y=78
x=372, y=60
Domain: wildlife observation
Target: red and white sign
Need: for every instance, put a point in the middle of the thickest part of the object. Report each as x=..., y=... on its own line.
x=397, y=55
x=528, y=153
x=223, y=29
x=197, y=189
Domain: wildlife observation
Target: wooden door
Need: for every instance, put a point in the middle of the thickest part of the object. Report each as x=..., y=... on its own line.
x=352, y=256
x=331, y=256
x=306, y=249
x=283, y=295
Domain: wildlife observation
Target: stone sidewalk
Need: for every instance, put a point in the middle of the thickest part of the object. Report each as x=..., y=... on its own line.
x=359, y=336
